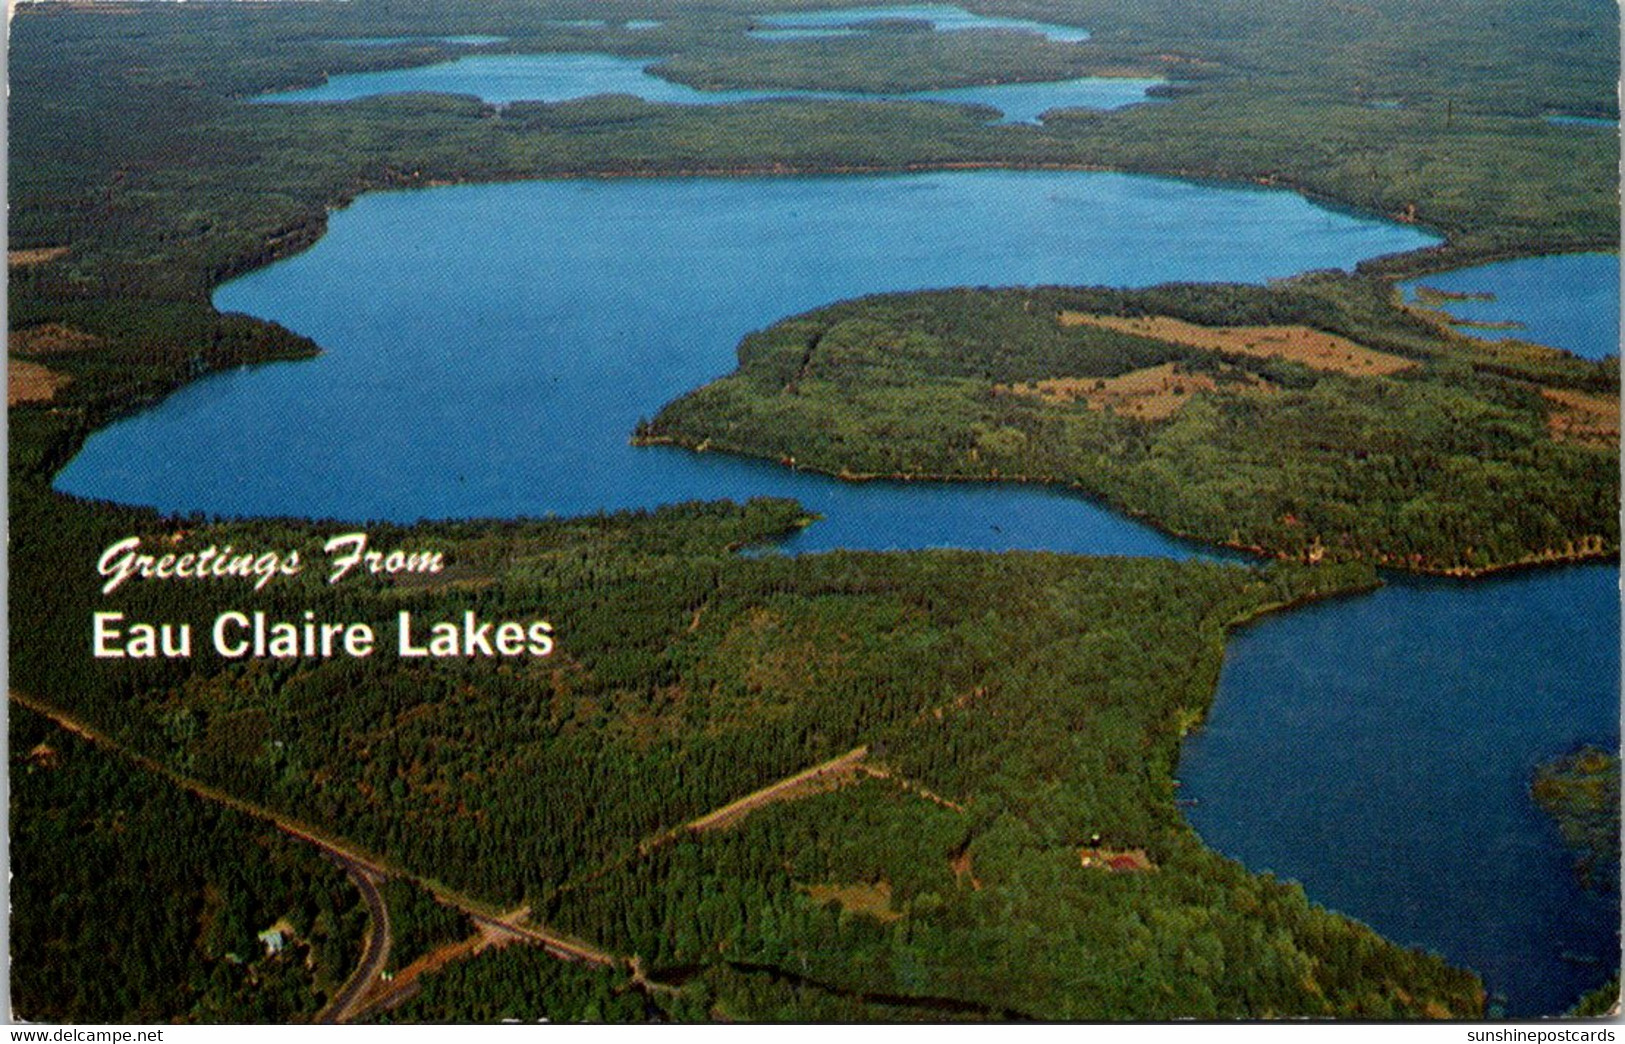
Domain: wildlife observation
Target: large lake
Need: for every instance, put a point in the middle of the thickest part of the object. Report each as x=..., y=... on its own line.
x=490, y=348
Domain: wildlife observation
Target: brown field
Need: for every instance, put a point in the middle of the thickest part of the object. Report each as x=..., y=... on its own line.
x=964, y=871
x=34, y=256
x=1301, y=344
x=31, y=382
x=1116, y=860
x=50, y=339
x=872, y=900
x=1591, y=420
x=1152, y=394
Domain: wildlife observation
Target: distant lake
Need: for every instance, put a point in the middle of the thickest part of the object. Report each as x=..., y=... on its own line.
x=489, y=348
x=1568, y=301
x=942, y=17
x=804, y=34
x=1582, y=121
x=394, y=41
x=562, y=76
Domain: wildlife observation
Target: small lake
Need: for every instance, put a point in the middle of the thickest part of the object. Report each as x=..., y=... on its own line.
x=562, y=76
x=1379, y=750
x=1568, y=301
x=941, y=17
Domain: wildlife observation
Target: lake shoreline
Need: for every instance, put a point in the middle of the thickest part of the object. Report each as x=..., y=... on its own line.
x=1536, y=562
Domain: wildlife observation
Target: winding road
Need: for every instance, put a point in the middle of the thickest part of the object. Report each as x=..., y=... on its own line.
x=375, y=950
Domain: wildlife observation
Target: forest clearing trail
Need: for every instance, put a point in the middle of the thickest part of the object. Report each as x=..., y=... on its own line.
x=785, y=789
x=924, y=793
x=826, y=775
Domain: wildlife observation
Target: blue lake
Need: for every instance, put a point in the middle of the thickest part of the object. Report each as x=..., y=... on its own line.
x=489, y=349
x=1568, y=301
x=1562, y=120
x=942, y=17
x=562, y=76
x=1380, y=749
x=513, y=356
x=393, y=41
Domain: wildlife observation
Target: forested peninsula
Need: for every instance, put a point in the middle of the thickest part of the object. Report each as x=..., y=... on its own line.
x=1313, y=419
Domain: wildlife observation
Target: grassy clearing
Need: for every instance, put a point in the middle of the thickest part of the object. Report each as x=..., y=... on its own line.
x=1313, y=348
x=32, y=383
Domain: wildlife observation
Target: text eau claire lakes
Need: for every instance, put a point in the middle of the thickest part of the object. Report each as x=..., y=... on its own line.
x=235, y=634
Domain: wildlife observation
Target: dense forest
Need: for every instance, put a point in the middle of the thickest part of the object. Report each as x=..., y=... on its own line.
x=133, y=901
x=1011, y=707
x=1003, y=840
x=1393, y=440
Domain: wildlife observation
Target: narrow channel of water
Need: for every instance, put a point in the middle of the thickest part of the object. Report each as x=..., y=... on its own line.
x=941, y=18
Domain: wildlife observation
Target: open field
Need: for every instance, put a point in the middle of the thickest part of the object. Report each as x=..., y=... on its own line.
x=1152, y=394
x=29, y=382
x=1587, y=419
x=50, y=339
x=1315, y=349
